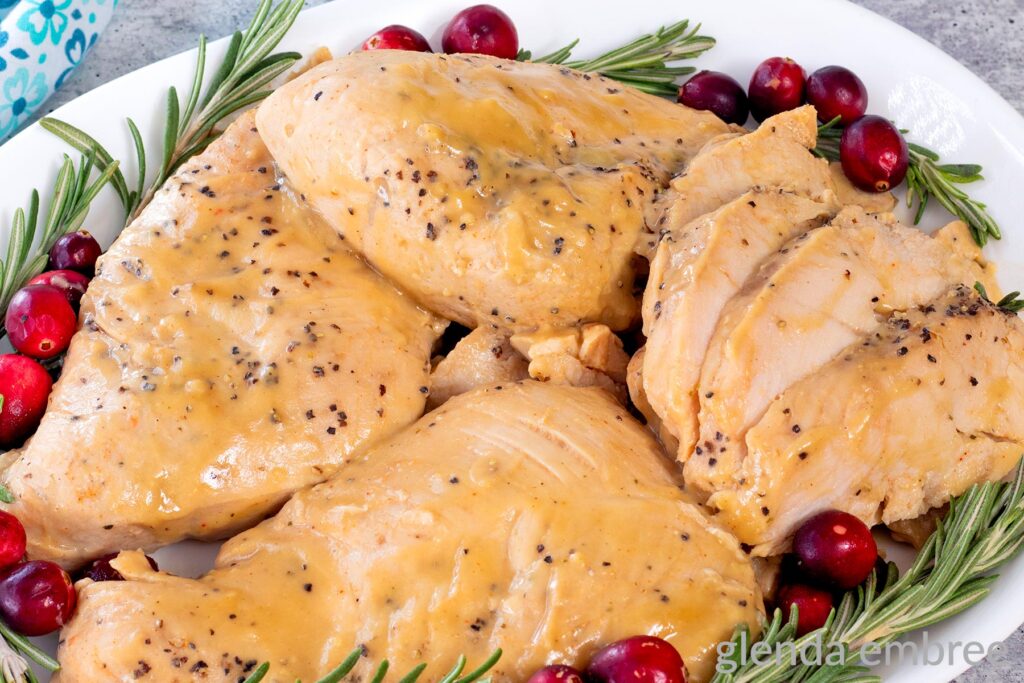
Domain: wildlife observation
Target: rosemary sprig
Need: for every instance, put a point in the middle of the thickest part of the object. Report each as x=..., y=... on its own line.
x=982, y=530
x=15, y=651
x=32, y=235
x=927, y=178
x=1011, y=303
x=643, y=63
x=242, y=79
x=455, y=675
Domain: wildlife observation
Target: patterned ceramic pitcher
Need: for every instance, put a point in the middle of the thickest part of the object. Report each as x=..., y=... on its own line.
x=41, y=44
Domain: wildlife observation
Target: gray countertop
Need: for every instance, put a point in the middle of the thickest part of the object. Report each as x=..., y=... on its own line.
x=985, y=35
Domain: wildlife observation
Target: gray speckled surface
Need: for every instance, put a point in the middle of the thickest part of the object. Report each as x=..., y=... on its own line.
x=985, y=35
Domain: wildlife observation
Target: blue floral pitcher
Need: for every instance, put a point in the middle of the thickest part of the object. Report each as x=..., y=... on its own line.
x=41, y=43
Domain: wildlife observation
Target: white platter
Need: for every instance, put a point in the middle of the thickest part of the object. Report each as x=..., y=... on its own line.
x=910, y=81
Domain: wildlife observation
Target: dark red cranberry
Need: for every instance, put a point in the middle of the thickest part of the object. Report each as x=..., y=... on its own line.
x=75, y=251
x=25, y=386
x=481, y=29
x=72, y=283
x=874, y=154
x=718, y=93
x=836, y=549
x=777, y=85
x=881, y=569
x=101, y=570
x=397, y=37
x=556, y=673
x=837, y=91
x=40, y=321
x=640, y=659
x=36, y=597
x=12, y=540
x=813, y=606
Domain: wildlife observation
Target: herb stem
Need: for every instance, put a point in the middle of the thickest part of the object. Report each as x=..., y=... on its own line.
x=983, y=529
x=643, y=63
x=349, y=663
x=243, y=78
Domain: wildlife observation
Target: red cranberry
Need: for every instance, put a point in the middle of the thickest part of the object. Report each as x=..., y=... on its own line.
x=813, y=606
x=25, y=386
x=481, y=29
x=835, y=548
x=36, y=597
x=72, y=283
x=397, y=37
x=837, y=91
x=640, y=659
x=556, y=673
x=874, y=154
x=12, y=540
x=75, y=251
x=718, y=93
x=40, y=321
x=101, y=570
x=777, y=85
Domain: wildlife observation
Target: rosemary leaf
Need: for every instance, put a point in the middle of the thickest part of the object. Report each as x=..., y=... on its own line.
x=413, y=675
x=482, y=669
x=197, y=87
x=88, y=146
x=170, y=129
x=452, y=675
x=1012, y=302
x=382, y=671
x=643, y=63
x=344, y=668
x=259, y=674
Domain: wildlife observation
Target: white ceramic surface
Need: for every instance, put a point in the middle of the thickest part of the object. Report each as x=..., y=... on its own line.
x=943, y=104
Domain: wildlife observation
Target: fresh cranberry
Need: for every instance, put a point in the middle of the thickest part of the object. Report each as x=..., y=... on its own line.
x=777, y=85
x=481, y=29
x=397, y=37
x=835, y=548
x=640, y=659
x=837, y=91
x=12, y=540
x=36, y=597
x=874, y=154
x=72, y=283
x=25, y=386
x=718, y=93
x=813, y=606
x=40, y=321
x=101, y=569
x=75, y=251
x=556, y=673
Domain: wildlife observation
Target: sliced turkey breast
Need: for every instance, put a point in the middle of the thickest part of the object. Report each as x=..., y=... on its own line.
x=825, y=290
x=696, y=272
x=776, y=154
x=897, y=423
